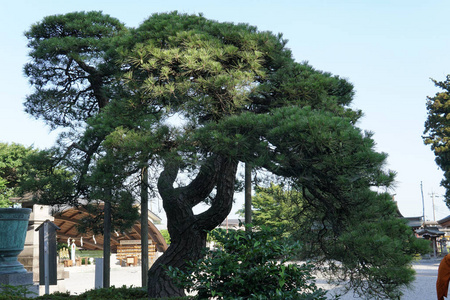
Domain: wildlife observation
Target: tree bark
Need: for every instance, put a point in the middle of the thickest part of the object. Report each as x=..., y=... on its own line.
x=188, y=248
x=188, y=231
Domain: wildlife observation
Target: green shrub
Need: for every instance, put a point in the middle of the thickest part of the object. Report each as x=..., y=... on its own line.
x=57, y=296
x=115, y=293
x=249, y=265
x=135, y=293
x=14, y=292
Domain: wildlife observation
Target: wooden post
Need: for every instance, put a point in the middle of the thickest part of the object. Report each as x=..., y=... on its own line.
x=107, y=243
x=144, y=227
x=47, y=254
x=248, y=195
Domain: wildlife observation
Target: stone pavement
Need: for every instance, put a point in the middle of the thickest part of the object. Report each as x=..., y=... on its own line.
x=82, y=278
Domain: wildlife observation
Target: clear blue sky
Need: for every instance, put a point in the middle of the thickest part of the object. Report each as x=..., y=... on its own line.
x=388, y=49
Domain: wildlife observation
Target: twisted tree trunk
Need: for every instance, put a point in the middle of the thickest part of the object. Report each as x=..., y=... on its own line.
x=188, y=231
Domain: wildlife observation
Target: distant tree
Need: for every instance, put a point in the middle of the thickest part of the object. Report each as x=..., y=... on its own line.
x=437, y=130
x=5, y=194
x=12, y=164
x=276, y=206
x=166, y=235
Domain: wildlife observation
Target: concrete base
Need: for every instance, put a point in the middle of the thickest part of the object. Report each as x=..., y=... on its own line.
x=60, y=287
x=20, y=279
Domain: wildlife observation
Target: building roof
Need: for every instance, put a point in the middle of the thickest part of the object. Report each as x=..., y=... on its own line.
x=445, y=222
x=231, y=223
x=414, y=222
x=430, y=232
x=68, y=218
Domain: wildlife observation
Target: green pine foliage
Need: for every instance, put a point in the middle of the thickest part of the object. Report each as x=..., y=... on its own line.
x=71, y=66
x=73, y=71
x=374, y=243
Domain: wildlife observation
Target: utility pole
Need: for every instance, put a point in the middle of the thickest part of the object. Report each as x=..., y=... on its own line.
x=433, y=194
x=423, y=205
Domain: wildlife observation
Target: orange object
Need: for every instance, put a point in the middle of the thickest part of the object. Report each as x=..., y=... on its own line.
x=68, y=263
x=443, y=278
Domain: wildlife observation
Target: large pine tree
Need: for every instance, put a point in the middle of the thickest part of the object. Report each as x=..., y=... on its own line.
x=192, y=98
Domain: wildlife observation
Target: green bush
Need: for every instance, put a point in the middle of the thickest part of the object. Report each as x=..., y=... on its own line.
x=116, y=293
x=135, y=293
x=14, y=292
x=249, y=265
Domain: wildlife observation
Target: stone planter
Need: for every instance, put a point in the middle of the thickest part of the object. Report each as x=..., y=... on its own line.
x=13, y=230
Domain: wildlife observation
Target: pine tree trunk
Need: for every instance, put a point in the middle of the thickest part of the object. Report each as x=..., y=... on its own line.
x=188, y=248
x=188, y=231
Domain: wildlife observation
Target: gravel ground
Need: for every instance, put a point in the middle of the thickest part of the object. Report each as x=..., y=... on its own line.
x=82, y=278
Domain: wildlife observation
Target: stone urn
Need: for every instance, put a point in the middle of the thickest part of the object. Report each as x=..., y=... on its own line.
x=13, y=230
